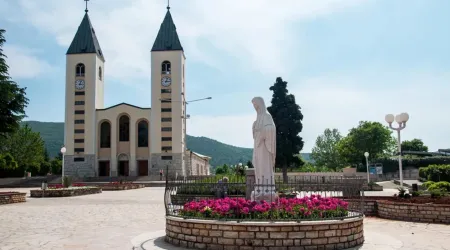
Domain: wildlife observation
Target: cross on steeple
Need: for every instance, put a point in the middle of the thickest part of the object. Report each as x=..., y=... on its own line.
x=168, y=4
x=86, y=10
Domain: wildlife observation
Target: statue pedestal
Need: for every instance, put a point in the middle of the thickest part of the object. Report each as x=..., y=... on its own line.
x=264, y=192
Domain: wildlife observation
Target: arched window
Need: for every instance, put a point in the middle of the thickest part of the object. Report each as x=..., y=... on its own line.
x=100, y=73
x=143, y=134
x=79, y=71
x=105, y=135
x=124, y=128
x=165, y=67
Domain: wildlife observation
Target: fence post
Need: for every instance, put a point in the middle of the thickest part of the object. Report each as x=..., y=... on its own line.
x=249, y=182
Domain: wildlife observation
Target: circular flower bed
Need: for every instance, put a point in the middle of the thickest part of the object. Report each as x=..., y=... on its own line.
x=312, y=207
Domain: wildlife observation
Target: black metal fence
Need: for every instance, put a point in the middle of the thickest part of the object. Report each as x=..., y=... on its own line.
x=182, y=190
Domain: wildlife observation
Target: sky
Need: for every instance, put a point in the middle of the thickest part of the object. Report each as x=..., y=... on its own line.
x=344, y=60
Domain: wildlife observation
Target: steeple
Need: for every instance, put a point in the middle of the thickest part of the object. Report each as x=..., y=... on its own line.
x=85, y=40
x=167, y=38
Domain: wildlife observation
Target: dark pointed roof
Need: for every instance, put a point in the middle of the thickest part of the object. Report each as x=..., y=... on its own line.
x=167, y=38
x=85, y=40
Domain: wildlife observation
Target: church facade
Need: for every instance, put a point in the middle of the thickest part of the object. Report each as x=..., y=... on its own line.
x=126, y=140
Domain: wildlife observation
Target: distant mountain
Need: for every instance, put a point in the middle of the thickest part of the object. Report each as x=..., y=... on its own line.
x=53, y=135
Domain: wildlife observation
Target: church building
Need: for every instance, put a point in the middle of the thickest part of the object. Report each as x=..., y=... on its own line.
x=126, y=140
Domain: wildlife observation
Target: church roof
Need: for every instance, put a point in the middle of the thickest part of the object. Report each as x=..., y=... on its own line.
x=85, y=40
x=167, y=38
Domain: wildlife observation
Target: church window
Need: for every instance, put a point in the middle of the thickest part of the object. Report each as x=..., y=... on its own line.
x=100, y=73
x=105, y=135
x=79, y=71
x=166, y=129
x=79, y=112
x=143, y=134
x=79, y=150
x=166, y=138
x=79, y=102
x=79, y=131
x=166, y=110
x=79, y=122
x=166, y=157
x=166, y=148
x=165, y=67
x=80, y=93
x=166, y=119
x=166, y=91
x=78, y=140
x=78, y=159
x=124, y=128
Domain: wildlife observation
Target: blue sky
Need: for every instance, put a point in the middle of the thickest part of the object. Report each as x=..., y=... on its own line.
x=345, y=60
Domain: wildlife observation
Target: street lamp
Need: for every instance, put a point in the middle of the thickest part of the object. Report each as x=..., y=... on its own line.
x=63, y=151
x=366, y=154
x=401, y=119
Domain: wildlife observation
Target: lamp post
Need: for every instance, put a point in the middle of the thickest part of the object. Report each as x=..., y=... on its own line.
x=366, y=154
x=63, y=151
x=401, y=119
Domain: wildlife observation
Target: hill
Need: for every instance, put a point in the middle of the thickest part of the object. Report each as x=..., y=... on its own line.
x=53, y=135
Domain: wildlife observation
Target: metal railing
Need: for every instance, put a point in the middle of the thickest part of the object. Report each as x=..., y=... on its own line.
x=182, y=190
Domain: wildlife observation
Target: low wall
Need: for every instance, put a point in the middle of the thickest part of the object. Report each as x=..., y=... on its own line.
x=212, y=234
x=12, y=197
x=63, y=192
x=121, y=187
x=430, y=213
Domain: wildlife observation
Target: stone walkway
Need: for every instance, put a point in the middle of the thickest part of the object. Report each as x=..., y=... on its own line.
x=134, y=219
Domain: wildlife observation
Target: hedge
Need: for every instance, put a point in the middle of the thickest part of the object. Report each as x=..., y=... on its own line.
x=435, y=173
x=391, y=165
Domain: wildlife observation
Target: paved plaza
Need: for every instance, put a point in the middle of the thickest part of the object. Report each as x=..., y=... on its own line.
x=134, y=219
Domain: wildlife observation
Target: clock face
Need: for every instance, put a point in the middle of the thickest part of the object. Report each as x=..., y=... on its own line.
x=79, y=84
x=166, y=81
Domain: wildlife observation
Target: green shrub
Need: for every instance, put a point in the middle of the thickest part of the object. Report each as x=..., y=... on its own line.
x=401, y=192
x=427, y=184
x=416, y=193
x=67, y=181
x=442, y=185
x=435, y=173
x=437, y=193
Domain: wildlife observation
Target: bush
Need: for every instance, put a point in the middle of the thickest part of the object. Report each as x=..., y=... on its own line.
x=67, y=181
x=239, y=208
x=427, y=184
x=435, y=173
x=442, y=185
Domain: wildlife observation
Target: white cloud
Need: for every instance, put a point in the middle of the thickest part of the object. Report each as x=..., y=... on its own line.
x=23, y=63
x=256, y=31
x=342, y=101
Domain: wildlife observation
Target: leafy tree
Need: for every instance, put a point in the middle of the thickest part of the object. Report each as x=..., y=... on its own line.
x=7, y=162
x=414, y=145
x=250, y=164
x=12, y=97
x=26, y=147
x=325, y=153
x=370, y=137
x=288, y=120
x=222, y=169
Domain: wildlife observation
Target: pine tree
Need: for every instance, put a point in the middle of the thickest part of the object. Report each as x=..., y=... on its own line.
x=288, y=120
x=12, y=97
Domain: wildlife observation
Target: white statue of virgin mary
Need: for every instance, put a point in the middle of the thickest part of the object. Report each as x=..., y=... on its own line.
x=264, y=152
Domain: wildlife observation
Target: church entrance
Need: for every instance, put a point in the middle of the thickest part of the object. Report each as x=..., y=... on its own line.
x=123, y=168
x=143, y=168
x=103, y=168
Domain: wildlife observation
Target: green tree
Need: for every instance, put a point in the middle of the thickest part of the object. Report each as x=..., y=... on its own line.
x=414, y=145
x=26, y=147
x=222, y=169
x=12, y=97
x=325, y=153
x=288, y=120
x=7, y=162
x=370, y=137
x=249, y=164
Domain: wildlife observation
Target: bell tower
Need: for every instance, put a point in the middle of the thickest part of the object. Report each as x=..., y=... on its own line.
x=84, y=94
x=168, y=100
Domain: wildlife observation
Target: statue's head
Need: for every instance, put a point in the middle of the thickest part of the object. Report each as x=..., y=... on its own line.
x=259, y=104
